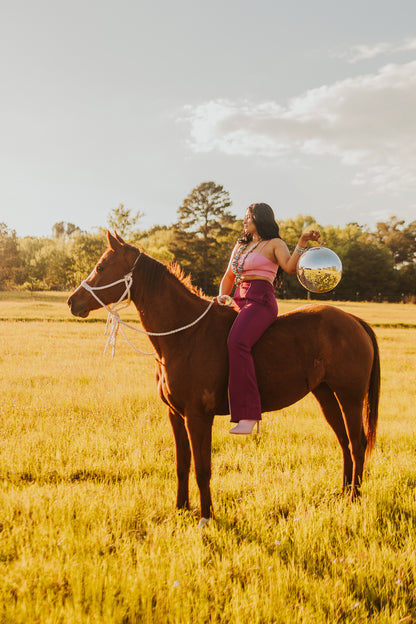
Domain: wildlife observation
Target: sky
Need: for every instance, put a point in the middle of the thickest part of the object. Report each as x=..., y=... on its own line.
x=307, y=105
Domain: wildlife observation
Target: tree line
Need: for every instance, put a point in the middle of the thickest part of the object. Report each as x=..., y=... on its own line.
x=378, y=265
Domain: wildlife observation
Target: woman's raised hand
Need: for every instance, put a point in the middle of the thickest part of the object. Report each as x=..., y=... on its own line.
x=312, y=235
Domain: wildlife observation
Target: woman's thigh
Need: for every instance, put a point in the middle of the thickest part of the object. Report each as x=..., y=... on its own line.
x=251, y=323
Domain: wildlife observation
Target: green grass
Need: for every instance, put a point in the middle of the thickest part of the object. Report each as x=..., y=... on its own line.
x=88, y=530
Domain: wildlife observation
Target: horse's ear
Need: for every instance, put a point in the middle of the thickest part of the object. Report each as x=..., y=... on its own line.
x=118, y=237
x=113, y=242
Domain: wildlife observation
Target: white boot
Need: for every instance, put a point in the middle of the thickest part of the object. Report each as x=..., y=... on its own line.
x=245, y=426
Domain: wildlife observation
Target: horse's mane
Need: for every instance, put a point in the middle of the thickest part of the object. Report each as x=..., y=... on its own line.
x=156, y=273
x=185, y=278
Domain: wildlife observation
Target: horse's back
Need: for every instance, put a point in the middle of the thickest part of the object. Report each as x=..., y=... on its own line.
x=313, y=344
x=332, y=323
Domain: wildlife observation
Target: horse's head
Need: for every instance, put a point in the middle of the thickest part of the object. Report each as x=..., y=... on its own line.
x=116, y=262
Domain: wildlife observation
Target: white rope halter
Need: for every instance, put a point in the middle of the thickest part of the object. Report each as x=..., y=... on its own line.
x=114, y=322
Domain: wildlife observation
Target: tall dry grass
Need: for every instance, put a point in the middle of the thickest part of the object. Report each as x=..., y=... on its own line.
x=88, y=530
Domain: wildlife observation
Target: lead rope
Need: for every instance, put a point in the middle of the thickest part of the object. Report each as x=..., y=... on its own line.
x=115, y=323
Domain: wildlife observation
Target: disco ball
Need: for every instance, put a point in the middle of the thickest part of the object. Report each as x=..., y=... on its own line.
x=319, y=269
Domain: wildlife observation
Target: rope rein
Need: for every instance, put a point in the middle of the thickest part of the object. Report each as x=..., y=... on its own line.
x=115, y=323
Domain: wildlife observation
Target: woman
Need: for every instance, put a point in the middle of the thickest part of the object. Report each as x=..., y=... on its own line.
x=255, y=261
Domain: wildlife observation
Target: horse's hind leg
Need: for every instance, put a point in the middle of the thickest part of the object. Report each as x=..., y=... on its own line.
x=352, y=403
x=183, y=458
x=333, y=415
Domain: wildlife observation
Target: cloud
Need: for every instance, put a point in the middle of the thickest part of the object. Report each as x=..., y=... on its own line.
x=367, y=122
x=363, y=52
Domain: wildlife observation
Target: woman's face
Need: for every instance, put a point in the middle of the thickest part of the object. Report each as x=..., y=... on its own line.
x=248, y=224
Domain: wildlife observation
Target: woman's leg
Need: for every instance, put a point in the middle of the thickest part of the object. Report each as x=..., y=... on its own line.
x=252, y=321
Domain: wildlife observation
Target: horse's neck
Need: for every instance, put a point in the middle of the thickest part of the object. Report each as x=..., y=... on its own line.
x=170, y=308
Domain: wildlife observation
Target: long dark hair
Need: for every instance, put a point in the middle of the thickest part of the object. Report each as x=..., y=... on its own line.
x=267, y=228
x=264, y=220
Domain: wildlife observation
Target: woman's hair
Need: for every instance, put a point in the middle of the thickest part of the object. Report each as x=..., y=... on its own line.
x=263, y=219
x=266, y=226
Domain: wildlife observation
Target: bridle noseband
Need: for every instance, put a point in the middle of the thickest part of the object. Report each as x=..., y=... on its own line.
x=128, y=281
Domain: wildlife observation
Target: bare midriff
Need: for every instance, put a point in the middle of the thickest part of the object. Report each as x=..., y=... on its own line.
x=252, y=278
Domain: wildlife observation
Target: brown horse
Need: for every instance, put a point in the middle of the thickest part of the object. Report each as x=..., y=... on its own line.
x=316, y=348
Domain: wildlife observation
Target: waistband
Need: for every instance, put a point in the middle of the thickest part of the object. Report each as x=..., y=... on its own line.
x=255, y=286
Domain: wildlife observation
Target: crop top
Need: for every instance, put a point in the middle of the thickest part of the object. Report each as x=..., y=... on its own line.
x=254, y=263
x=260, y=266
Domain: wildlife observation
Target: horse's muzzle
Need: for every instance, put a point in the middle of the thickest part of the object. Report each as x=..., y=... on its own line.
x=77, y=308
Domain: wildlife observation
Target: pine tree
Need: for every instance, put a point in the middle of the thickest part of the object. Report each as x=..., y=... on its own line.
x=204, y=221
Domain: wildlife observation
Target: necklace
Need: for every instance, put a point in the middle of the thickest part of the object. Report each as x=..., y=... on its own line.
x=239, y=259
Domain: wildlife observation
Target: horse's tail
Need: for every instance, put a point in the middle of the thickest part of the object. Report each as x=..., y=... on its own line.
x=373, y=393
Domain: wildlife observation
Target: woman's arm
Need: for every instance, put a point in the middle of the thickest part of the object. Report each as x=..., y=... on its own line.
x=227, y=284
x=227, y=281
x=289, y=261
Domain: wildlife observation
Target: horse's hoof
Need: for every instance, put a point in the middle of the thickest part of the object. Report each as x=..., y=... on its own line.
x=203, y=523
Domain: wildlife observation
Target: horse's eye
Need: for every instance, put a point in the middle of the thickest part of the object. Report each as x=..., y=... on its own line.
x=100, y=268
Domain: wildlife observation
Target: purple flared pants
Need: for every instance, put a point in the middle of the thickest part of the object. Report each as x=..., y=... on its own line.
x=258, y=310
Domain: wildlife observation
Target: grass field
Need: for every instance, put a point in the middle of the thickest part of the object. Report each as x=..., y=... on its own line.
x=88, y=530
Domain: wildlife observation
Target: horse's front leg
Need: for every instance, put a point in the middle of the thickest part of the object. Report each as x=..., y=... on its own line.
x=200, y=434
x=183, y=458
